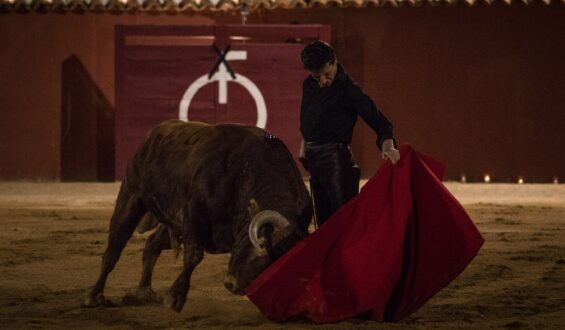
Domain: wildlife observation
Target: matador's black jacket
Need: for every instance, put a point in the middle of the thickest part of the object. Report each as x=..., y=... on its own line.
x=329, y=114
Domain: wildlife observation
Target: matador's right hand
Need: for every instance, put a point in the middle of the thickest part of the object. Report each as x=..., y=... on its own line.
x=390, y=152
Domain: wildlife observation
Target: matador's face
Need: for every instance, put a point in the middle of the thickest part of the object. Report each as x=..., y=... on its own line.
x=325, y=77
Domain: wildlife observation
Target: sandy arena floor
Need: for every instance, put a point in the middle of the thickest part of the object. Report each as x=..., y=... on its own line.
x=54, y=235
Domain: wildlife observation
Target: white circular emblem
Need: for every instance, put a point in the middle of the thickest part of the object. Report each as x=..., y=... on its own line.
x=222, y=76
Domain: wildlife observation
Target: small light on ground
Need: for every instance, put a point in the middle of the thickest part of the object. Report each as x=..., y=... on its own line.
x=487, y=178
x=520, y=180
x=555, y=180
x=463, y=178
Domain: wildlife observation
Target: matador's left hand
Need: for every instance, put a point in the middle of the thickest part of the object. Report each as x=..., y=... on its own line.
x=389, y=152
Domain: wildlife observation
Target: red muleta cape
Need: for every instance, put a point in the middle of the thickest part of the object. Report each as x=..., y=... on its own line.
x=382, y=255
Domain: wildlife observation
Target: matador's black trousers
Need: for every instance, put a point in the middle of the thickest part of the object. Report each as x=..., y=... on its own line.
x=334, y=177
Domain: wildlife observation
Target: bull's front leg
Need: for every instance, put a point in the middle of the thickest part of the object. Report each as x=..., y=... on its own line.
x=176, y=296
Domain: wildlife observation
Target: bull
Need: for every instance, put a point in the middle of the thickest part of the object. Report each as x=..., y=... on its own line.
x=215, y=189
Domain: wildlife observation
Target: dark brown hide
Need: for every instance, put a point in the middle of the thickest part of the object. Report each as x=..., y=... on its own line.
x=203, y=183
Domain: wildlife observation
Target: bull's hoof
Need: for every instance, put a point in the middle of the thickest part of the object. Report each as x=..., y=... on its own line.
x=142, y=296
x=97, y=301
x=175, y=301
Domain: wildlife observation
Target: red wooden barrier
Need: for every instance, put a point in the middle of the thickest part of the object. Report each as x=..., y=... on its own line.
x=163, y=72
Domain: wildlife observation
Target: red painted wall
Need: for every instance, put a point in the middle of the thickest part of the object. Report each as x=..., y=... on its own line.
x=478, y=87
x=157, y=67
x=33, y=51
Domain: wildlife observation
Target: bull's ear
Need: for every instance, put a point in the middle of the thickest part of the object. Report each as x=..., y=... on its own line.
x=253, y=207
x=279, y=224
x=266, y=236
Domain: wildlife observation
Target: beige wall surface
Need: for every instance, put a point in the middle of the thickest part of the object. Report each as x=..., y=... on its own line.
x=480, y=88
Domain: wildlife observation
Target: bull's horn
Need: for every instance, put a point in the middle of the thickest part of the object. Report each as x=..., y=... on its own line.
x=274, y=218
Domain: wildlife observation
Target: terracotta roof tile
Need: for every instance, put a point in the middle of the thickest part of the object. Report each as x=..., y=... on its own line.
x=224, y=5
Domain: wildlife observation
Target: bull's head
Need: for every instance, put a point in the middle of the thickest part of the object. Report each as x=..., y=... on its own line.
x=269, y=235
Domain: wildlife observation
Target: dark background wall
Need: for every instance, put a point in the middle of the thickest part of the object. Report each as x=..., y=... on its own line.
x=480, y=87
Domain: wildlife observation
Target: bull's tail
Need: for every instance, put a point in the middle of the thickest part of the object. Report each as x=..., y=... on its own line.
x=150, y=222
x=147, y=223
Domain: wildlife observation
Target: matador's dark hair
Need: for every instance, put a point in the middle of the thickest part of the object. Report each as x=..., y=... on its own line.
x=316, y=54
